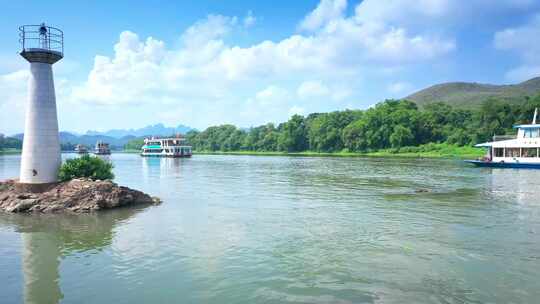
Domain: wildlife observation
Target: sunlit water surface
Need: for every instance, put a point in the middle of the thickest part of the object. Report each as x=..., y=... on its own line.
x=243, y=229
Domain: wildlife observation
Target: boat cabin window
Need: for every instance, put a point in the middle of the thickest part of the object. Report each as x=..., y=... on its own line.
x=529, y=152
x=499, y=152
x=513, y=152
x=531, y=133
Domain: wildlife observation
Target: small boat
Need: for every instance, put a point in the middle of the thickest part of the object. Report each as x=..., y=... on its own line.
x=81, y=149
x=521, y=151
x=166, y=147
x=102, y=148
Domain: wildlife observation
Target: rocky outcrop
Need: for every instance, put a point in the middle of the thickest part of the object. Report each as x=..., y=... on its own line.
x=77, y=195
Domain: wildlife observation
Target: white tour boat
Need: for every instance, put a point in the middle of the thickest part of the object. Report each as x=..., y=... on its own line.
x=102, y=148
x=166, y=147
x=523, y=151
x=81, y=149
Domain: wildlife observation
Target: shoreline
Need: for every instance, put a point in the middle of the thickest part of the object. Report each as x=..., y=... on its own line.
x=344, y=154
x=10, y=151
x=447, y=152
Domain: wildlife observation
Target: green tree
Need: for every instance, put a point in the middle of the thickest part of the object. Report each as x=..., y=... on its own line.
x=460, y=137
x=374, y=129
x=9, y=143
x=402, y=136
x=325, y=130
x=293, y=135
x=134, y=144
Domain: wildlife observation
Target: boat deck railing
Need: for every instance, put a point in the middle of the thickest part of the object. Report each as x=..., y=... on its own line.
x=503, y=137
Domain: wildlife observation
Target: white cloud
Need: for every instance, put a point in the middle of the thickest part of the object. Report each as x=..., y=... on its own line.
x=445, y=12
x=267, y=105
x=205, y=74
x=249, y=20
x=310, y=89
x=523, y=41
x=401, y=10
x=399, y=87
x=272, y=95
x=296, y=110
x=206, y=68
x=326, y=11
x=523, y=73
x=341, y=93
x=212, y=28
x=12, y=99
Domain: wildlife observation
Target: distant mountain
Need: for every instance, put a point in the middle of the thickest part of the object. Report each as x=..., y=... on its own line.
x=471, y=95
x=157, y=130
x=89, y=140
x=116, y=138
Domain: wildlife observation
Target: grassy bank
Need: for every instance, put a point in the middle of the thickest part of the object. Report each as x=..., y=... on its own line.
x=10, y=151
x=423, y=151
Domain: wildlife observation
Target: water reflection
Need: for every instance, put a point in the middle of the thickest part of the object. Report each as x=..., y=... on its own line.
x=515, y=184
x=47, y=239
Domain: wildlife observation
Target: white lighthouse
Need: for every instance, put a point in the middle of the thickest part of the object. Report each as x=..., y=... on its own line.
x=42, y=46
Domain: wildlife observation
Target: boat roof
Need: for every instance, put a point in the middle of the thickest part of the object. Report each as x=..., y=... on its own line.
x=168, y=138
x=529, y=126
x=510, y=143
x=484, y=145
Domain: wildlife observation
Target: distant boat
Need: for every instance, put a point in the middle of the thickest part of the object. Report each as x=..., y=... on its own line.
x=81, y=149
x=522, y=151
x=166, y=147
x=102, y=148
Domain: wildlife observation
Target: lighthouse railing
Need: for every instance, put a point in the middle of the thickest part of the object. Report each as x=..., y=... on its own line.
x=31, y=37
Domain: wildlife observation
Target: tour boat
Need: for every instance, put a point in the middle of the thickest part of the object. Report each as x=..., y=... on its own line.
x=81, y=149
x=166, y=147
x=521, y=151
x=102, y=148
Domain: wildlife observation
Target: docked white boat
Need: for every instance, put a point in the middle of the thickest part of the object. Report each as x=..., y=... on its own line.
x=522, y=151
x=166, y=147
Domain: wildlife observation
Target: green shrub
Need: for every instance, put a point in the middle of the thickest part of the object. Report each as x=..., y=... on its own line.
x=88, y=166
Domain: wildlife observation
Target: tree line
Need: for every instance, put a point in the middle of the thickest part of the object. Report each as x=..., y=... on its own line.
x=9, y=143
x=391, y=124
x=12, y=143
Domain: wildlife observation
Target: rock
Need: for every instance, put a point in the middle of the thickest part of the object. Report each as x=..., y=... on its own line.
x=76, y=196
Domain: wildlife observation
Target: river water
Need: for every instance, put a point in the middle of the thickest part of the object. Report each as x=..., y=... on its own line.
x=257, y=229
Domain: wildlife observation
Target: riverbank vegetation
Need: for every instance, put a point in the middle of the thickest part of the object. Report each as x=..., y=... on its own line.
x=9, y=144
x=431, y=150
x=392, y=127
x=14, y=145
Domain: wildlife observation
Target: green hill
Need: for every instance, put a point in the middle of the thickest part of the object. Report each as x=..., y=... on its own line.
x=471, y=95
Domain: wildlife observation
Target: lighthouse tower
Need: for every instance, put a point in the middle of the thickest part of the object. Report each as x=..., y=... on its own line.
x=42, y=46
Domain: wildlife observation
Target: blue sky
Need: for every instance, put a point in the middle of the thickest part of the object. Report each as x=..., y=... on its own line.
x=131, y=64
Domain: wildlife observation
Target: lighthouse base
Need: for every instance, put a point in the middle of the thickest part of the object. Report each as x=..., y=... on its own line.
x=34, y=188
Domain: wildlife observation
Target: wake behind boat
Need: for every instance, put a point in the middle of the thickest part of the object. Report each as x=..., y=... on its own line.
x=523, y=151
